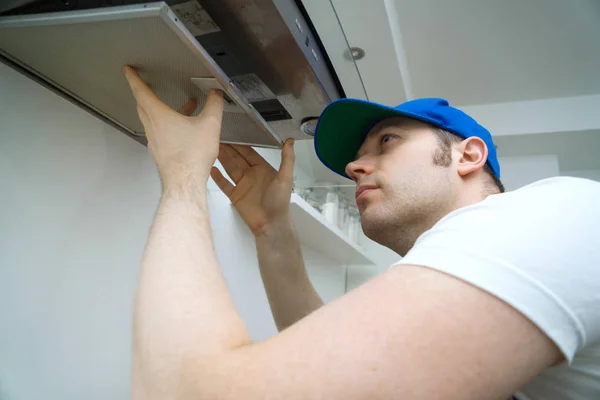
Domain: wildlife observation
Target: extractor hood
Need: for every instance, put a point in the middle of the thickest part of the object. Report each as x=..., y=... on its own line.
x=262, y=53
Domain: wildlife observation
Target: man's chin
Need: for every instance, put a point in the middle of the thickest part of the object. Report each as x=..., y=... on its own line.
x=369, y=216
x=371, y=228
x=364, y=205
x=377, y=226
x=369, y=205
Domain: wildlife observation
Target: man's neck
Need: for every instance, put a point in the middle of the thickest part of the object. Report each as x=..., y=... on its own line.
x=405, y=237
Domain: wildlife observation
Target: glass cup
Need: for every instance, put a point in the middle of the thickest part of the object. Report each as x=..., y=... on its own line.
x=330, y=207
x=353, y=226
x=342, y=216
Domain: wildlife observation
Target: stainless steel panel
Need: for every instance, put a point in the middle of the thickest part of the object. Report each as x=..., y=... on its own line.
x=272, y=39
x=81, y=53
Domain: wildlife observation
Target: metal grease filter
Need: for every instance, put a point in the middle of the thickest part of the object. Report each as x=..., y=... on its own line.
x=82, y=53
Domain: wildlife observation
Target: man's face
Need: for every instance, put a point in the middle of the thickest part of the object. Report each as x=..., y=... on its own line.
x=399, y=188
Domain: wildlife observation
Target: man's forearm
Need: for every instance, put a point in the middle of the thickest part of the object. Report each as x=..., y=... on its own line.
x=184, y=312
x=289, y=290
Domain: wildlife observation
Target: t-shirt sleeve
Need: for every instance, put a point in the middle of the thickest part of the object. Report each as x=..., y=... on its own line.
x=537, y=249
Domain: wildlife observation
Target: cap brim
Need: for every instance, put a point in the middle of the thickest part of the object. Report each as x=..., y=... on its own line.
x=342, y=127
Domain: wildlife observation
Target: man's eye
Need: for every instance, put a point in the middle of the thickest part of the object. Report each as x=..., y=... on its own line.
x=385, y=139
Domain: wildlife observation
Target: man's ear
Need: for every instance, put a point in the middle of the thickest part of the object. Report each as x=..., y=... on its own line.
x=473, y=155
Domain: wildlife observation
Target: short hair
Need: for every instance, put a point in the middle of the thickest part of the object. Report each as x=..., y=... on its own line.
x=443, y=157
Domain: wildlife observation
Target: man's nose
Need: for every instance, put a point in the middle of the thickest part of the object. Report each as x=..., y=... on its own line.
x=358, y=168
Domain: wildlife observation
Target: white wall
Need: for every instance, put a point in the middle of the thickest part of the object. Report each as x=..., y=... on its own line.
x=77, y=199
x=593, y=174
x=520, y=171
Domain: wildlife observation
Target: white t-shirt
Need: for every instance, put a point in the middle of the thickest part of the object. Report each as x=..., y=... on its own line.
x=538, y=249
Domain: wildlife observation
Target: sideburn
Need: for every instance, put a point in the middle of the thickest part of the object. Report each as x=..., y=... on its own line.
x=442, y=156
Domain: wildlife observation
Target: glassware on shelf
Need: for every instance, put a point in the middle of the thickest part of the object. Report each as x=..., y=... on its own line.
x=330, y=208
x=353, y=226
x=335, y=206
x=315, y=199
x=342, y=217
x=325, y=198
x=304, y=193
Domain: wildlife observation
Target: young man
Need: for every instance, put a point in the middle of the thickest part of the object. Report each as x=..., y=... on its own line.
x=497, y=293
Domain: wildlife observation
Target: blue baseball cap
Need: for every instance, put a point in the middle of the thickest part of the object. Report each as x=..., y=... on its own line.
x=344, y=124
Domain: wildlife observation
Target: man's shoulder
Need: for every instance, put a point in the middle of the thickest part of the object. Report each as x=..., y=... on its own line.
x=536, y=248
x=566, y=202
x=560, y=190
x=541, y=198
x=558, y=183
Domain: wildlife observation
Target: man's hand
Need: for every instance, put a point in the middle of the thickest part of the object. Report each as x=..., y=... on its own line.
x=261, y=194
x=184, y=148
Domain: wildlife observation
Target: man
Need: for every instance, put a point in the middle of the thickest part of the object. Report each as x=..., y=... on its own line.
x=496, y=294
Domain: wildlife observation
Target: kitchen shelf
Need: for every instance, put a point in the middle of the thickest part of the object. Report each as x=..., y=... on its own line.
x=321, y=235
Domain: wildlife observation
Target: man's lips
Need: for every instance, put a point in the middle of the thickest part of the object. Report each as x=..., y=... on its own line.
x=363, y=190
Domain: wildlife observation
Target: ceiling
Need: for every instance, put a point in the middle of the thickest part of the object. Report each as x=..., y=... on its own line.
x=484, y=54
x=486, y=51
x=474, y=52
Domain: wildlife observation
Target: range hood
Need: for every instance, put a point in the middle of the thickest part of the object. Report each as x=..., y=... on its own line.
x=261, y=53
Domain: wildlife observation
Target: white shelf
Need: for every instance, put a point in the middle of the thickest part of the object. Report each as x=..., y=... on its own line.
x=321, y=235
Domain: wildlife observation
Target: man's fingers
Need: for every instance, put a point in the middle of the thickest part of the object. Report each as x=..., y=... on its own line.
x=144, y=96
x=249, y=154
x=286, y=170
x=232, y=162
x=213, y=107
x=232, y=154
x=188, y=108
x=222, y=182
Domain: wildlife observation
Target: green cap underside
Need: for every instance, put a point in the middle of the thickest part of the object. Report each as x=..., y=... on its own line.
x=341, y=131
